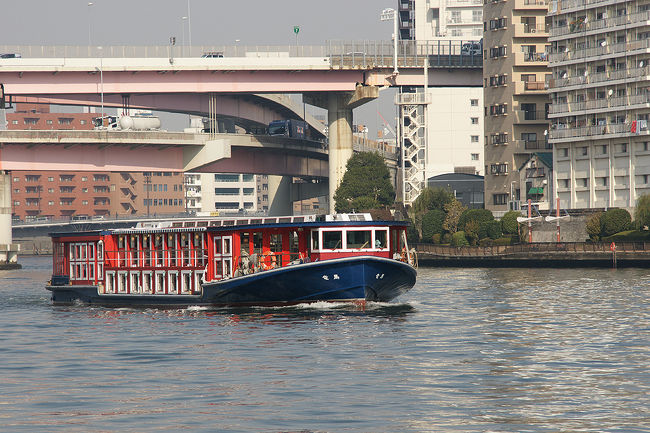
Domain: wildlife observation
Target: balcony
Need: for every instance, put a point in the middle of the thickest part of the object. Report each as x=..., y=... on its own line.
x=530, y=87
x=464, y=3
x=531, y=4
x=601, y=105
x=581, y=28
x=533, y=145
x=530, y=117
x=599, y=53
x=593, y=132
x=523, y=30
x=412, y=98
x=608, y=77
x=535, y=172
x=531, y=59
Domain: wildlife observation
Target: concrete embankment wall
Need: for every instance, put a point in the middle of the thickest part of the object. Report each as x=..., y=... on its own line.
x=537, y=255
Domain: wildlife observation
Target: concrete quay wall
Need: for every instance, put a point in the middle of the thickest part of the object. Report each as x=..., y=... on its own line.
x=537, y=255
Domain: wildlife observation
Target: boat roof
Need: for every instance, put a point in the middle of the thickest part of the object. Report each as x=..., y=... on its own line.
x=253, y=223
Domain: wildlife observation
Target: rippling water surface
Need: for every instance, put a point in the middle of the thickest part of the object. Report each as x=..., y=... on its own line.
x=467, y=350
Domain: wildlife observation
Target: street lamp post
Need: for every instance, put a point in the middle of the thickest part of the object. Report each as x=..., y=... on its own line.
x=183, y=19
x=386, y=15
x=90, y=4
x=101, y=80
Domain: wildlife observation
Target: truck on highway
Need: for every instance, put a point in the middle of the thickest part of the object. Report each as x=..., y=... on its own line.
x=289, y=128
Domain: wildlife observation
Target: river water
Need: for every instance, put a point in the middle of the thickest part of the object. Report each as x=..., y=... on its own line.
x=467, y=350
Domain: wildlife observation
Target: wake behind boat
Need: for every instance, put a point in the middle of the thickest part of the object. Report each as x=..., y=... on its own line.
x=234, y=262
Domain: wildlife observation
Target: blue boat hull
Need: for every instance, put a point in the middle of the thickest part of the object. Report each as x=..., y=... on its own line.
x=348, y=279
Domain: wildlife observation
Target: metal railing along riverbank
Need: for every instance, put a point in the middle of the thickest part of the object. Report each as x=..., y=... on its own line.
x=534, y=248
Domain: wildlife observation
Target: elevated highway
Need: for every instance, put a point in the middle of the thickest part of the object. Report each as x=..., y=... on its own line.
x=338, y=77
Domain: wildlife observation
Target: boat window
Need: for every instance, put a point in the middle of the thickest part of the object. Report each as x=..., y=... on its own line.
x=380, y=239
x=314, y=240
x=293, y=245
x=358, y=239
x=226, y=245
x=257, y=243
x=276, y=243
x=245, y=243
x=332, y=240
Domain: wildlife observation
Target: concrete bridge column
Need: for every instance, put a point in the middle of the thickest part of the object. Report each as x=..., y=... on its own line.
x=280, y=202
x=339, y=120
x=339, y=106
x=8, y=251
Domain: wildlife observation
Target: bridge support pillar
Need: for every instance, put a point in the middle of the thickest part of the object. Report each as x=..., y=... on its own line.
x=339, y=119
x=339, y=107
x=280, y=201
x=8, y=250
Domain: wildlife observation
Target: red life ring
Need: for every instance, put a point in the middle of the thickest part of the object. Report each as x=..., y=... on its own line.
x=268, y=261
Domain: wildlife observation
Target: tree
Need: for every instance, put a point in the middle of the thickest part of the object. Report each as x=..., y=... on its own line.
x=594, y=226
x=509, y=223
x=432, y=198
x=428, y=200
x=615, y=221
x=458, y=239
x=365, y=185
x=478, y=215
x=642, y=211
x=432, y=223
x=454, y=210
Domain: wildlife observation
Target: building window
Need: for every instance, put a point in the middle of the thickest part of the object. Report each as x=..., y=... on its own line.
x=16, y=179
x=474, y=138
x=500, y=199
x=497, y=169
x=473, y=102
x=475, y=156
x=82, y=122
x=474, y=120
x=48, y=121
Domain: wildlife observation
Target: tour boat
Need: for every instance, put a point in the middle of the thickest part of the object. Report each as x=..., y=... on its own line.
x=234, y=262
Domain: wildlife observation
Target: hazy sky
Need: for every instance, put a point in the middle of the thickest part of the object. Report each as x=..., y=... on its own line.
x=152, y=22
x=149, y=22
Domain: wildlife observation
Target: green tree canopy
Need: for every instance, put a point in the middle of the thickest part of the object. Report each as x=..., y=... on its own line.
x=642, y=211
x=478, y=215
x=509, y=223
x=432, y=223
x=365, y=185
x=454, y=210
x=594, y=227
x=432, y=198
x=615, y=221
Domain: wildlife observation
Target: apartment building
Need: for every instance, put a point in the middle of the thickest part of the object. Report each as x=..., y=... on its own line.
x=60, y=195
x=601, y=101
x=226, y=193
x=440, y=20
x=516, y=102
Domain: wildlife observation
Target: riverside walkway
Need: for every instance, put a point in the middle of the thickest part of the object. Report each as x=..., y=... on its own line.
x=536, y=255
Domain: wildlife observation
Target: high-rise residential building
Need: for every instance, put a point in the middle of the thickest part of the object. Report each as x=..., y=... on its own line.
x=601, y=98
x=445, y=136
x=516, y=102
x=440, y=20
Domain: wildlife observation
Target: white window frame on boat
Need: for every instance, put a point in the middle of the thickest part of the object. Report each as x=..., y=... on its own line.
x=157, y=280
x=198, y=278
x=344, y=247
x=122, y=281
x=172, y=283
x=147, y=282
x=110, y=282
x=134, y=282
x=186, y=288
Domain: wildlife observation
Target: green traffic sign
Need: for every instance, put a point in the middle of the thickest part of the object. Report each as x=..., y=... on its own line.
x=296, y=29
